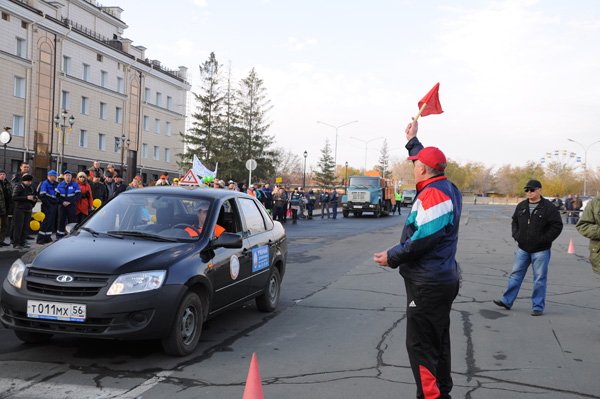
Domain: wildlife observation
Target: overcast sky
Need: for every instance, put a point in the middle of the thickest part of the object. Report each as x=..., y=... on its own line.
x=517, y=78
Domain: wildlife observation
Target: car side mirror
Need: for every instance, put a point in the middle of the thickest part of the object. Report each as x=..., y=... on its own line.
x=228, y=240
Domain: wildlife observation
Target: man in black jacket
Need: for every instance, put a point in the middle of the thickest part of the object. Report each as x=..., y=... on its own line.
x=119, y=185
x=535, y=224
x=24, y=199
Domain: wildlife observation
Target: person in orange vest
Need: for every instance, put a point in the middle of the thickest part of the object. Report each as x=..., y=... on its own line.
x=201, y=213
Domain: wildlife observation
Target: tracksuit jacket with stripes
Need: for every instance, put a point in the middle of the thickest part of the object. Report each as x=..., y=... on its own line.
x=428, y=243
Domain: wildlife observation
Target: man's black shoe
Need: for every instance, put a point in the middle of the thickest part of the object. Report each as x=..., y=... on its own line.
x=501, y=304
x=537, y=313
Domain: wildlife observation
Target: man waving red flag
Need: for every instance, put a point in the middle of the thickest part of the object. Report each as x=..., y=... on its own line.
x=430, y=104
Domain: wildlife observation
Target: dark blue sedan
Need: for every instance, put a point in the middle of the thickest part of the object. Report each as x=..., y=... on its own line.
x=153, y=263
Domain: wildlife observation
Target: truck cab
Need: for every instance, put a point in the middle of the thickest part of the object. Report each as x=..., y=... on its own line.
x=408, y=195
x=370, y=193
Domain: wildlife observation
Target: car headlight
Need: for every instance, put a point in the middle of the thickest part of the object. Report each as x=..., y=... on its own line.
x=137, y=282
x=15, y=273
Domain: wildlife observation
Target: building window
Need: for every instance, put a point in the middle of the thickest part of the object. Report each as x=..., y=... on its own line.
x=167, y=155
x=117, y=146
x=158, y=99
x=146, y=123
x=66, y=100
x=147, y=94
x=157, y=126
x=66, y=134
x=5, y=16
x=83, y=137
x=169, y=103
x=99, y=57
x=23, y=24
x=119, y=115
x=167, y=128
x=85, y=105
x=21, y=48
x=19, y=87
x=67, y=65
x=144, y=150
x=104, y=79
x=102, y=142
x=18, y=128
x=156, y=153
x=103, y=111
x=120, y=86
x=86, y=72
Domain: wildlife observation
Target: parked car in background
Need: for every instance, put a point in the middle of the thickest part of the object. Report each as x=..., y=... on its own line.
x=153, y=263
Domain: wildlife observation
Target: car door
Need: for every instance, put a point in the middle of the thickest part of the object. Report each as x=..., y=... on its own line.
x=232, y=267
x=259, y=240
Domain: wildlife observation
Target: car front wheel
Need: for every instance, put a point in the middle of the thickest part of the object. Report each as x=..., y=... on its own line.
x=269, y=300
x=186, y=329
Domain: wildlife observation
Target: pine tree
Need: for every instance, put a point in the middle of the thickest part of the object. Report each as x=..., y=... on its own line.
x=251, y=141
x=384, y=161
x=228, y=166
x=205, y=137
x=326, y=165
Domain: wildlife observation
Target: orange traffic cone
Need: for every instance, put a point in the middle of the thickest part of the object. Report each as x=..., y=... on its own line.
x=253, y=388
x=571, y=247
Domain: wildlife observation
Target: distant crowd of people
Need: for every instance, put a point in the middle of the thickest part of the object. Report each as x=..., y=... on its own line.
x=572, y=207
x=282, y=202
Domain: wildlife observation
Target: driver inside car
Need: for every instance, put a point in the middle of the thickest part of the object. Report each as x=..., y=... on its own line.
x=201, y=213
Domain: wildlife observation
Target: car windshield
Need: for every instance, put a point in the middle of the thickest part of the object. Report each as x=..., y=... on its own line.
x=410, y=191
x=148, y=216
x=364, y=182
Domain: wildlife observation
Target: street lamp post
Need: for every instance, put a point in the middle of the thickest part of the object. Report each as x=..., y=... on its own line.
x=62, y=129
x=366, y=146
x=346, y=185
x=585, y=150
x=123, y=149
x=5, y=138
x=336, y=136
x=304, y=173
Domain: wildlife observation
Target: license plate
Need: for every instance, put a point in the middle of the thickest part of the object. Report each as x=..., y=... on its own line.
x=357, y=206
x=55, y=311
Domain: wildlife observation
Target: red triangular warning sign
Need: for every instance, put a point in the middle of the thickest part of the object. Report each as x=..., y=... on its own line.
x=190, y=178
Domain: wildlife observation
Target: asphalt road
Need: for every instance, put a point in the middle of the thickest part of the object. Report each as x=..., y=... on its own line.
x=339, y=330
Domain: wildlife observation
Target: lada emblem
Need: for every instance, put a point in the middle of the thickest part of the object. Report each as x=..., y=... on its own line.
x=64, y=278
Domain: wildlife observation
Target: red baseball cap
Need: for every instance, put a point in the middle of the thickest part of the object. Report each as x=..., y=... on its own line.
x=432, y=157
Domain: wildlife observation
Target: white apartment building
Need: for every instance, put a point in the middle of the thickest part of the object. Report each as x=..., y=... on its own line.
x=68, y=58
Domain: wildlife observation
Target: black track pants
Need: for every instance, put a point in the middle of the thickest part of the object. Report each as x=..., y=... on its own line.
x=428, y=337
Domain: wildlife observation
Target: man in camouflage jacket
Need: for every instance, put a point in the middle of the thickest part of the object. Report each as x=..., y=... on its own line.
x=589, y=226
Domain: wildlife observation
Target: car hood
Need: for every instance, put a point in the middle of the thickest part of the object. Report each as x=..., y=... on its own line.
x=108, y=255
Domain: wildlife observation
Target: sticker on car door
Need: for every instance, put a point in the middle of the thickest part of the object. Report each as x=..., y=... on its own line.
x=234, y=267
x=260, y=258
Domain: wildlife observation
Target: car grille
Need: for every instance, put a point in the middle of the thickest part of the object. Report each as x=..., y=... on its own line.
x=358, y=196
x=83, y=285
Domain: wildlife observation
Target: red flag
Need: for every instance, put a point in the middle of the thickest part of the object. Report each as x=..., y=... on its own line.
x=432, y=101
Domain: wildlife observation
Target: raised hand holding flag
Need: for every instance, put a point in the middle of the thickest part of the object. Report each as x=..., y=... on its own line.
x=430, y=104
